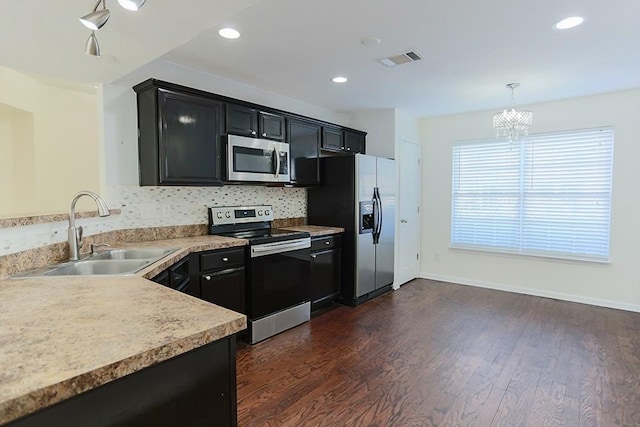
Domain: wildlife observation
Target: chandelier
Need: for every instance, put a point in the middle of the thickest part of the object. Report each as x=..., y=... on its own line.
x=96, y=20
x=512, y=123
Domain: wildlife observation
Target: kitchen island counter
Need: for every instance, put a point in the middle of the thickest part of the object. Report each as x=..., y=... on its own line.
x=63, y=336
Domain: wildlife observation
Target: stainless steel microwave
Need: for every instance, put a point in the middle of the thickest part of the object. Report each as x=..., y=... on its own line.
x=257, y=160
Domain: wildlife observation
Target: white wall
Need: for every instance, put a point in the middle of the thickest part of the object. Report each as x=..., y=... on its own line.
x=51, y=130
x=616, y=284
x=380, y=126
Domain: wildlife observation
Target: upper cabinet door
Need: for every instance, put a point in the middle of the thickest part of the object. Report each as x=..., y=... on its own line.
x=272, y=126
x=354, y=142
x=332, y=138
x=242, y=120
x=250, y=122
x=189, y=141
x=304, y=147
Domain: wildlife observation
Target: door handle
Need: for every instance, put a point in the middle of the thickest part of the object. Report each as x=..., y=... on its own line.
x=275, y=150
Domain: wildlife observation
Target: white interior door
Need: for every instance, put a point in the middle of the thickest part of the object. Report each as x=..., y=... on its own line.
x=408, y=240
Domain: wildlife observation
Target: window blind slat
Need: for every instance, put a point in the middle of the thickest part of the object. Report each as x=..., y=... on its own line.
x=548, y=193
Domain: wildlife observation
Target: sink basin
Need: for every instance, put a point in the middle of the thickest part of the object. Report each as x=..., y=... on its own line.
x=91, y=267
x=110, y=262
x=133, y=253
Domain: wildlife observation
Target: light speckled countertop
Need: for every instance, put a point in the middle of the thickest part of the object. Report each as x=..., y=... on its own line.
x=61, y=336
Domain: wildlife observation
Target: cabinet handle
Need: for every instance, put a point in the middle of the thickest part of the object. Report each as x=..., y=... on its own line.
x=403, y=221
x=225, y=259
x=313, y=256
x=327, y=243
x=207, y=278
x=253, y=132
x=264, y=134
x=348, y=149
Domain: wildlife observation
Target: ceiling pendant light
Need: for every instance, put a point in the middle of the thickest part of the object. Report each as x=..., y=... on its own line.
x=92, y=47
x=131, y=4
x=512, y=123
x=96, y=19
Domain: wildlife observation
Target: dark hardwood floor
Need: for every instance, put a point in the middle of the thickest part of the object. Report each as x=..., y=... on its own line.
x=435, y=353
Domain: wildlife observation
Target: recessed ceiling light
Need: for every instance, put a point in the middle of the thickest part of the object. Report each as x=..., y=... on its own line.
x=571, y=22
x=229, y=33
x=339, y=79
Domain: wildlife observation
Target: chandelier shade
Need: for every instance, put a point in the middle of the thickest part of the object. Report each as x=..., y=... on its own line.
x=512, y=123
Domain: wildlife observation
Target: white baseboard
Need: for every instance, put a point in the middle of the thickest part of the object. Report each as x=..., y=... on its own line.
x=534, y=292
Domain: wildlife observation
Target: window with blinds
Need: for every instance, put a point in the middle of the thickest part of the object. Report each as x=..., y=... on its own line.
x=547, y=194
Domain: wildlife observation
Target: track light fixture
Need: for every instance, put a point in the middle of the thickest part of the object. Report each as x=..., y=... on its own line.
x=131, y=4
x=92, y=47
x=96, y=20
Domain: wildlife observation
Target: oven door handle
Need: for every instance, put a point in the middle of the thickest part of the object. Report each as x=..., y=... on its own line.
x=279, y=247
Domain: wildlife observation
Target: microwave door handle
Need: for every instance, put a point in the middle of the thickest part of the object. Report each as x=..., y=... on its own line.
x=277, y=153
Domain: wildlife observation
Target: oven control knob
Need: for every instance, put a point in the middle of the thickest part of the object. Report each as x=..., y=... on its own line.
x=259, y=213
x=227, y=214
x=219, y=215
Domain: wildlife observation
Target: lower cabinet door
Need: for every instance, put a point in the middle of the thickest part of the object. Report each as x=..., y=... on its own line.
x=225, y=288
x=325, y=276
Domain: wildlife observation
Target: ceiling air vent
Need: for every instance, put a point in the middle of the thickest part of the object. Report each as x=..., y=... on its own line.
x=403, y=58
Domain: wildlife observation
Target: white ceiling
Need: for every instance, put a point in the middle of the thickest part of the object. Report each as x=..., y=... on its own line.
x=470, y=49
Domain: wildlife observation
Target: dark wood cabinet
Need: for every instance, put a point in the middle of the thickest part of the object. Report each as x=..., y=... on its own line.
x=271, y=126
x=246, y=121
x=196, y=388
x=304, y=146
x=332, y=138
x=242, y=120
x=179, y=137
x=325, y=270
x=354, y=142
x=177, y=277
x=222, y=278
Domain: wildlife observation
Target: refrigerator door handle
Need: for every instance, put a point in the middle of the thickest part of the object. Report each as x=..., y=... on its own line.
x=377, y=215
x=380, y=211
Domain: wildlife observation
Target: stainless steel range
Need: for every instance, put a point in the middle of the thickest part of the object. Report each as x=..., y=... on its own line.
x=278, y=284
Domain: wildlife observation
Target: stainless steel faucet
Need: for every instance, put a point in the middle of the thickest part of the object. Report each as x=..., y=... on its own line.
x=75, y=233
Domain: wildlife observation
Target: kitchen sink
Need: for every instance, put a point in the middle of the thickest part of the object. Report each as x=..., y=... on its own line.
x=133, y=253
x=91, y=267
x=110, y=262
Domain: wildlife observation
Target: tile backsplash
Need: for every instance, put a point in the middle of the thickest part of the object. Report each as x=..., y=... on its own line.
x=143, y=207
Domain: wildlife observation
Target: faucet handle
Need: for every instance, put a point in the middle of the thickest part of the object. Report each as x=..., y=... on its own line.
x=95, y=246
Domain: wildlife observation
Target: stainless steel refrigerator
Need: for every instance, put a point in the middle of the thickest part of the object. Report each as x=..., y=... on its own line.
x=358, y=193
